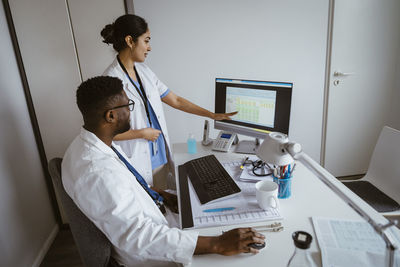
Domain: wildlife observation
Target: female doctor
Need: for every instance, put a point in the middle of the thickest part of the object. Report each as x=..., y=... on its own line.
x=147, y=142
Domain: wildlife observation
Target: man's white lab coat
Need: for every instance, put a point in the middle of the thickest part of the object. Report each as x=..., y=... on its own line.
x=110, y=196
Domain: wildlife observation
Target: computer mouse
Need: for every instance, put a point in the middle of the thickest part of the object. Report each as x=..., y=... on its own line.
x=256, y=245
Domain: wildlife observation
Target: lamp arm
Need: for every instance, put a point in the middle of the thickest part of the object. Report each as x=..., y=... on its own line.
x=332, y=183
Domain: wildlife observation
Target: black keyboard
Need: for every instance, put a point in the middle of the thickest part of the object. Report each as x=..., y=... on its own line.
x=210, y=180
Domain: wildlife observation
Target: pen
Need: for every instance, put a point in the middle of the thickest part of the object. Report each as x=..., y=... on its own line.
x=155, y=147
x=294, y=166
x=242, y=166
x=219, y=209
x=287, y=173
x=282, y=172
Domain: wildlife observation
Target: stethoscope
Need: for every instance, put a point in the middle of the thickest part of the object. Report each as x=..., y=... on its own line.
x=259, y=167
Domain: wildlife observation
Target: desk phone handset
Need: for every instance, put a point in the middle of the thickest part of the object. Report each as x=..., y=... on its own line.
x=224, y=141
x=206, y=140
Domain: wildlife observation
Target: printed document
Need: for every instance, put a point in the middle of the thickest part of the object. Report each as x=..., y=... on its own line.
x=245, y=204
x=349, y=243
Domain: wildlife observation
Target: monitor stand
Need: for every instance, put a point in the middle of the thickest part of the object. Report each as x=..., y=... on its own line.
x=247, y=146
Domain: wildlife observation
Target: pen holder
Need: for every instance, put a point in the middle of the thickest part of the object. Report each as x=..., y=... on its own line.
x=284, y=187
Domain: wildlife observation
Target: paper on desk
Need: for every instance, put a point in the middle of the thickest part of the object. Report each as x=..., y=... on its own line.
x=247, y=174
x=246, y=207
x=349, y=243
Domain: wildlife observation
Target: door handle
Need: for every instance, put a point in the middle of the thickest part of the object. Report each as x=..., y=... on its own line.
x=339, y=73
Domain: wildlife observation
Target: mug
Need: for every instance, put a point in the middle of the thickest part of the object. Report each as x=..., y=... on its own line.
x=267, y=194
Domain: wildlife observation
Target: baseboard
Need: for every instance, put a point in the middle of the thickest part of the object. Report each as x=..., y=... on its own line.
x=350, y=177
x=46, y=246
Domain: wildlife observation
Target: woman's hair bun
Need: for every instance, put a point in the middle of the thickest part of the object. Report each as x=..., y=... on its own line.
x=108, y=34
x=123, y=26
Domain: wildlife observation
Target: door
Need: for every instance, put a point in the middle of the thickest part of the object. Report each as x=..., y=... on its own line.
x=365, y=45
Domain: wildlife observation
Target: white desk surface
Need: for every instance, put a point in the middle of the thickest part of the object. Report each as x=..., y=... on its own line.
x=310, y=197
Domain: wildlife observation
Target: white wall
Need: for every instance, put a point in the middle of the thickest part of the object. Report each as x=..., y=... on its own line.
x=27, y=224
x=51, y=34
x=194, y=42
x=45, y=39
x=94, y=55
x=45, y=35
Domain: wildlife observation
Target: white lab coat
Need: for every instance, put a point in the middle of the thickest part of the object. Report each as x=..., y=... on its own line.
x=138, y=149
x=110, y=196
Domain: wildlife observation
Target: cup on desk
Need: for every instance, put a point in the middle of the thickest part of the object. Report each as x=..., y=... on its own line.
x=267, y=194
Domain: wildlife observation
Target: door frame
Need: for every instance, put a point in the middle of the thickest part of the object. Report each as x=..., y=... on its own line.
x=331, y=11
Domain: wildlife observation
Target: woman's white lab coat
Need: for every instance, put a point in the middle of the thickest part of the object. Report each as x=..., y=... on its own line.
x=138, y=149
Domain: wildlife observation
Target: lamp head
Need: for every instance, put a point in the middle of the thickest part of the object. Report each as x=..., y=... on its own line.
x=276, y=149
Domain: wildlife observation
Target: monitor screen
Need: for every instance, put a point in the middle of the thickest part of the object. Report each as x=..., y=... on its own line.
x=255, y=106
x=263, y=106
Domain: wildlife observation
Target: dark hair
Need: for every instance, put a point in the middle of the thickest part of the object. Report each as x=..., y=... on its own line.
x=95, y=95
x=125, y=25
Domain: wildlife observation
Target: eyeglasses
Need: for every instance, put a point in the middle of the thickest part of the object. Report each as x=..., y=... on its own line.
x=131, y=105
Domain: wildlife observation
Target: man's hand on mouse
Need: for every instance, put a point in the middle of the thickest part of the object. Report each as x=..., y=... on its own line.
x=237, y=240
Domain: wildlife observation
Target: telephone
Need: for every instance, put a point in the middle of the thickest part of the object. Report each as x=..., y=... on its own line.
x=224, y=141
x=206, y=140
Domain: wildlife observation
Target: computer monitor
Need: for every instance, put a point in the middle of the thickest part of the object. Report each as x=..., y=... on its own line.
x=263, y=107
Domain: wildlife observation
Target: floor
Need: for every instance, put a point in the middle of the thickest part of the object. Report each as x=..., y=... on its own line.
x=63, y=252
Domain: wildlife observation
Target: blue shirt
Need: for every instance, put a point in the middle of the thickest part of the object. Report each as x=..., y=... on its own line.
x=158, y=157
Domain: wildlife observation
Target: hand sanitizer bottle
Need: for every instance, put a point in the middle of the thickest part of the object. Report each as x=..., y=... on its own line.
x=301, y=256
x=191, y=144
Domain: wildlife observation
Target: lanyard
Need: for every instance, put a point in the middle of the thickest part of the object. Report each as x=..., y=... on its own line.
x=140, y=91
x=153, y=194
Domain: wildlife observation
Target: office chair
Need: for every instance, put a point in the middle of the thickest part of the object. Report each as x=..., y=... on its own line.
x=93, y=245
x=380, y=187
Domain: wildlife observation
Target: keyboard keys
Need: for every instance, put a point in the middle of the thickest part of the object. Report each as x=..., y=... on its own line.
x=210, y=180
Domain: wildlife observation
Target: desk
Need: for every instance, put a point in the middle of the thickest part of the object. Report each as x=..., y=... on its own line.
x=310, y=197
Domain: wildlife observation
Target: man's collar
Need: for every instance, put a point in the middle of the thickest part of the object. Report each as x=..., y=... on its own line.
x=92, y=139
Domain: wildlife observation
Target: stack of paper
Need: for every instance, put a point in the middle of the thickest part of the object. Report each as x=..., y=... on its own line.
x=349, y=243
x=245, y=205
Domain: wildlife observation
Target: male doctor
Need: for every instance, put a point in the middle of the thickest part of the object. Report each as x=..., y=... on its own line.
x=110, y=192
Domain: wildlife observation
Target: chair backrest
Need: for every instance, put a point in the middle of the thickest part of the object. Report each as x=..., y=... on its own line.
x=384, y=167
x=93, y=246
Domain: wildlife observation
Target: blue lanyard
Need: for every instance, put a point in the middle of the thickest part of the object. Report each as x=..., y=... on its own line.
x=140, y=90
x=153, y=194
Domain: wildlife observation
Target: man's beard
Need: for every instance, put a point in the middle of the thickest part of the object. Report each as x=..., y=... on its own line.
x=124, y=126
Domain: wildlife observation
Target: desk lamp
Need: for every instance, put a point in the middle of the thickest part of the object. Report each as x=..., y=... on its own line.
x=276, y=149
